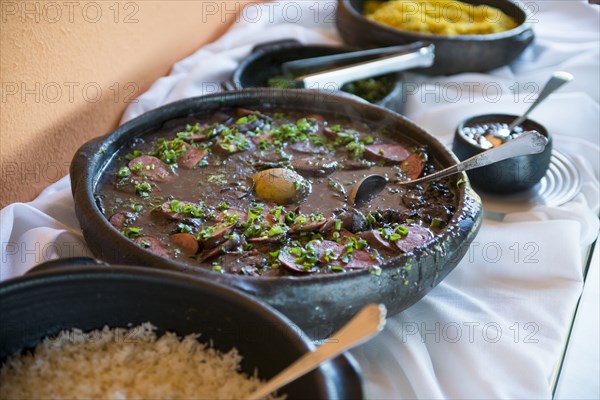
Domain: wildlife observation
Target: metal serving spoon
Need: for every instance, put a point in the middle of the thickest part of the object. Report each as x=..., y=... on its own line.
x=367, y=323
x=366, y=189
x=558, y=79
x=530, y=142
x=421, y=56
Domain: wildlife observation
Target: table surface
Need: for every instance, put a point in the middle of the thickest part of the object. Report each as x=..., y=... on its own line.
x=570, y=382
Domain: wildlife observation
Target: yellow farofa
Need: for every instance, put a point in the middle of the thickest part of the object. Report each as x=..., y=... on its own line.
x=125, y=364
x=439, y=17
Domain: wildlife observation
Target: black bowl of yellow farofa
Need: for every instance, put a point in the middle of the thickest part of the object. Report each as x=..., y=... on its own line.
x=469, y=36
x=87, y=331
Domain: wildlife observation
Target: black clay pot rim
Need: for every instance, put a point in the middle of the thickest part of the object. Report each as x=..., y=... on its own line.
x=509, y=117
x=267, y=50
x=458, y=38
x=138, y=274
x=469, y=206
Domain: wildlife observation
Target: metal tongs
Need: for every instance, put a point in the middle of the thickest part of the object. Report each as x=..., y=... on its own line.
x=333, y=71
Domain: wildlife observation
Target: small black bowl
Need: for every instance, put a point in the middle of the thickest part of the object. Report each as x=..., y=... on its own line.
x=453, y=53
x=265, y=63
x=509, y=176
x=71, y=293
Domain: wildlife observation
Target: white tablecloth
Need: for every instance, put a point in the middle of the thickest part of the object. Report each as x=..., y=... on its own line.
x=497, y=325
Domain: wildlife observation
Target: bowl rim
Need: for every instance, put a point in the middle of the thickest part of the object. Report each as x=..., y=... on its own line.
x=459, y=135
x=63, y=270
x=522, y=27
x=469, y=206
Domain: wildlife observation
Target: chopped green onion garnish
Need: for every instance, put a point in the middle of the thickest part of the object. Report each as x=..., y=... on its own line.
x=338, y=225
x=295, y=251
x=219, y=179
x=277, y=230
x=274, y=254
x=402, y=230
x=132, y=232
x=143, y=189
x=124, y=172
x=436, y=222
x=394, y=236
x=277, y=211
x=300, y=219
x=183, y=228
x=206, y=233
x=371, y=219
x=253, y=230
x=134, y=154
x=175, y=205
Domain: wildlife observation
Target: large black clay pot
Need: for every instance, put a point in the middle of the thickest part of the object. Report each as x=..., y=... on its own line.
x=317, y=303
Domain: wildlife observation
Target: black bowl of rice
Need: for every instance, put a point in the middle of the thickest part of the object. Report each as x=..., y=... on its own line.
x=77, y=331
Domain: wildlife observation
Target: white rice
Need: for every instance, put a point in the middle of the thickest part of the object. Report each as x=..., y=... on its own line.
x=125, y=364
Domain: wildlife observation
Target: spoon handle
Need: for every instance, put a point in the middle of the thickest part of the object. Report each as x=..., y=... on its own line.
x=369, y=321
x=321, y=63
x=337, y=77
x=558, y=79
x=530, y=142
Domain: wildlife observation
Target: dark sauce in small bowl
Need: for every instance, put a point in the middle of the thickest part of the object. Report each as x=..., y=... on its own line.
x=483, y=132
x=491, y=134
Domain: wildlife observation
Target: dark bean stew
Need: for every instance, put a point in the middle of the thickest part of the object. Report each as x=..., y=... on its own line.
x=255, y=193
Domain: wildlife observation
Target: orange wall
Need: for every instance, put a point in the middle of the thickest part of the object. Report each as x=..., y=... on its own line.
x=69, y=68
